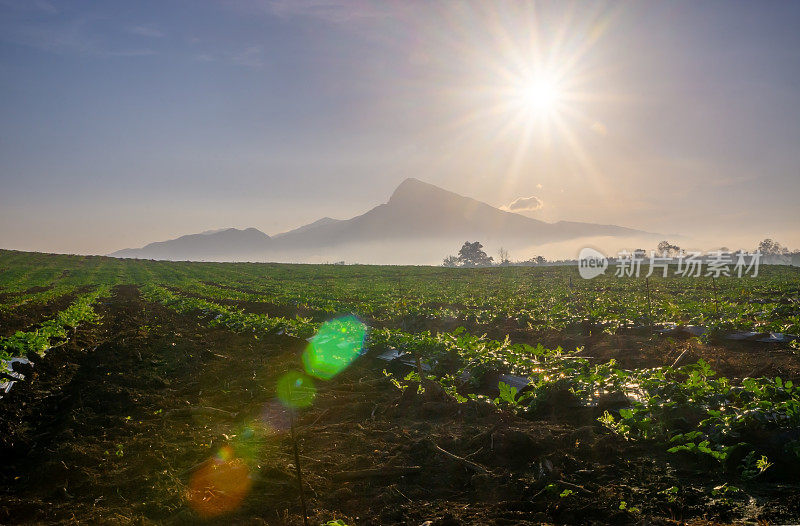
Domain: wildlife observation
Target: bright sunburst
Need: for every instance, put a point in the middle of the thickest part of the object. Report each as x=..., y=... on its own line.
x=539, y=95
x=532, y=85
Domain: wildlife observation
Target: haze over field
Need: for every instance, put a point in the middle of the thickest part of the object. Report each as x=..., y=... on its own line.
x=126, y=124
x=417, y=225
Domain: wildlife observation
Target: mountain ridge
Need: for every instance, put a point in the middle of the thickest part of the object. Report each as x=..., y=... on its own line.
x=416, y=211
x=212, y=243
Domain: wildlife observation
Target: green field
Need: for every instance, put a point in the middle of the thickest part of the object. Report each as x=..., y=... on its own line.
x=522, y=344
x=552, y=297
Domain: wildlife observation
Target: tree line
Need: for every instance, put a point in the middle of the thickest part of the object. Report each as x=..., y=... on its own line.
x=472, y=254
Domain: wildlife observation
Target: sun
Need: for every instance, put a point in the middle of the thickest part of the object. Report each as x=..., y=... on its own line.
x=527, y=87
x=539, y=96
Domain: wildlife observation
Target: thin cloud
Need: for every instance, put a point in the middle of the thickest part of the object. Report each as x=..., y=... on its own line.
x=77, y=36
x=146, y=31
x=251, y=57
x=599, y=128
x=42, y=6
x=524, y=204
x=127, y=53
x=333, y=11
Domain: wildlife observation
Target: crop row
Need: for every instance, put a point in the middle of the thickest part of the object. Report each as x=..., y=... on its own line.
x=550, y=309
x=552, y=298
x=55, y=329
x=475, y=350
x=688, y=409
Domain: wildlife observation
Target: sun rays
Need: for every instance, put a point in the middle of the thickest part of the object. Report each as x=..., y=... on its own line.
x=529, y=89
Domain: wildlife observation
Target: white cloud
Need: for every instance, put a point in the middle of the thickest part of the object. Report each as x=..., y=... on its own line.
x=524, y=203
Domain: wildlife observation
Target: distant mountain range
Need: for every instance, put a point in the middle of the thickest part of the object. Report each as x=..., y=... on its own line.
x=215, y=245
x=417, y=215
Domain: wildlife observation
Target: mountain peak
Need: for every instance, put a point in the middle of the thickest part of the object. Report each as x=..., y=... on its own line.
x=232, y=233
x=412, y=189
x=417, y=212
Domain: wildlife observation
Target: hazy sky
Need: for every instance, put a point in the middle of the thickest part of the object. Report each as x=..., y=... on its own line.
x=130, y=122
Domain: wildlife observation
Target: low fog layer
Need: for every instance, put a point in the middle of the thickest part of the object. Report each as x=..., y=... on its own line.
x=419, y=224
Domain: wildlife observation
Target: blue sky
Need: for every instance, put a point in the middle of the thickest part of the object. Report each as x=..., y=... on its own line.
x=129, y=122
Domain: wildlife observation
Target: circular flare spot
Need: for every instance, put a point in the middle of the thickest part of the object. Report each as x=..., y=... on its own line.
x=296, y=390
x=219, y=486
x=337, y=343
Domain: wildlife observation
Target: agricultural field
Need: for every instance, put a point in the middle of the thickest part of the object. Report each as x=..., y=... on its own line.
x=168, y=392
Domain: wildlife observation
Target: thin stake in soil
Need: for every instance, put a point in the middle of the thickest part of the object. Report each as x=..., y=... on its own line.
x=716, y=300
x=298, y=469
x=649, y=307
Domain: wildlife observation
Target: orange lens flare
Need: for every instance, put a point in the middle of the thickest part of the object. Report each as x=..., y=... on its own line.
x=219, y=485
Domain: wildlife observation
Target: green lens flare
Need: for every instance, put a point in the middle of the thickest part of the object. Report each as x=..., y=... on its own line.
x=334, y=347
x=296, y=390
